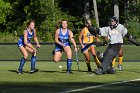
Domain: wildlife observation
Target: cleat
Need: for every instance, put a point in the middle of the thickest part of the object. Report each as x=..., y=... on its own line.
x=120, y=67
x=19, y=71
x=33, y=71
x=98, y=71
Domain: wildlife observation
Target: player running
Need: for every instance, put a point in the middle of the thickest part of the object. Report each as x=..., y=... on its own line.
x=62, y=43
x=86, y=39
x=25, y=46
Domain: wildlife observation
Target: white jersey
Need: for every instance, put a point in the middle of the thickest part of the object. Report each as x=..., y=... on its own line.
x=114, y=35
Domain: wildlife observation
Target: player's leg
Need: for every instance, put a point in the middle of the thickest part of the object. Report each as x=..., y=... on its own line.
x=114, y=62
x=92, y=49
x=107, y=59
x=68, y=51
x=33, y=60
x=57, y=56
x=87, y=56
x=110, y=53
x=57, y=53
x=100, y=56
x=23, y=60
x=120, y=58
x=116, y=48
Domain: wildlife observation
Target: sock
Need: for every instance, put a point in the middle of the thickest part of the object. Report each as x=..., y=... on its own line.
x=33, y=62
x=98, y=63
x=114, y=62
x=120, y=60
x=22, y=62
x=88, y=64
x=69, y=63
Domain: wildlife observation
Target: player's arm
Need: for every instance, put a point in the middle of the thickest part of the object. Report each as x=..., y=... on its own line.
x=56, y=38
x=26, y=42
x=132, y=39
x=91, y=29
x=80, y=38
x=97, y=38
x=72, y=39
x=97, y=31
x=36, y=39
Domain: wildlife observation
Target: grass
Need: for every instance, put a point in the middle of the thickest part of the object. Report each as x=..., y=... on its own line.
x=51, y=79
x=11, y=52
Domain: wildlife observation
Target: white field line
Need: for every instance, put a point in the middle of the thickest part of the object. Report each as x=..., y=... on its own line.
x=98, y=86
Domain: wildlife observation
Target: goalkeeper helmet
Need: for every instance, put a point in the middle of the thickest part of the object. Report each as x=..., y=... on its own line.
x=112, y=19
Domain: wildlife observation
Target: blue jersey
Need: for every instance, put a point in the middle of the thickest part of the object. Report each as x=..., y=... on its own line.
x=21, y=39
x=63, y=38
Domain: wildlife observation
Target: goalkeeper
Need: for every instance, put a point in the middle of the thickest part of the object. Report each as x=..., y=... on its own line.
x=115, y=33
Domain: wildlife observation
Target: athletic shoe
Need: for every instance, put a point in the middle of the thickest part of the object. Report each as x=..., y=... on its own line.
x=69, y=72
x=120, y=67
x=33, y=70
x=19, y=71
x=98, y=71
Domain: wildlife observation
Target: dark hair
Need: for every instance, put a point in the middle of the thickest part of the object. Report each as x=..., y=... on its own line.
x=29, y=22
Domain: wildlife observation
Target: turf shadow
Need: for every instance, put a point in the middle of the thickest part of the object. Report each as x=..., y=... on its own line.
x=15, y=71
x=62, y=87
x=48, y=71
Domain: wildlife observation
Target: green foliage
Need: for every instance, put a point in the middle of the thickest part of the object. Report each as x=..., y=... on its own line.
x=5, y=9
x=134, y=27
x=7, y=37
x=14, y=14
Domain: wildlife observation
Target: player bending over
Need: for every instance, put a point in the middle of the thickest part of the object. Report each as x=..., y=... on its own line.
x=62, y=43
x=25, y=46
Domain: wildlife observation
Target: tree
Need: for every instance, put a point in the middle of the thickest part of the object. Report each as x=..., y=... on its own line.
x=116, y=8
x=96, y=12
x=5, y=9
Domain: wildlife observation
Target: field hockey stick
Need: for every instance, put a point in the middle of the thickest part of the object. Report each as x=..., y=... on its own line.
x=36, y=49
x=76, y=54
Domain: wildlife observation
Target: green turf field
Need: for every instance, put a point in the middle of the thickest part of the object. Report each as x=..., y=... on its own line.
x=51, y=79
x=11, y=52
